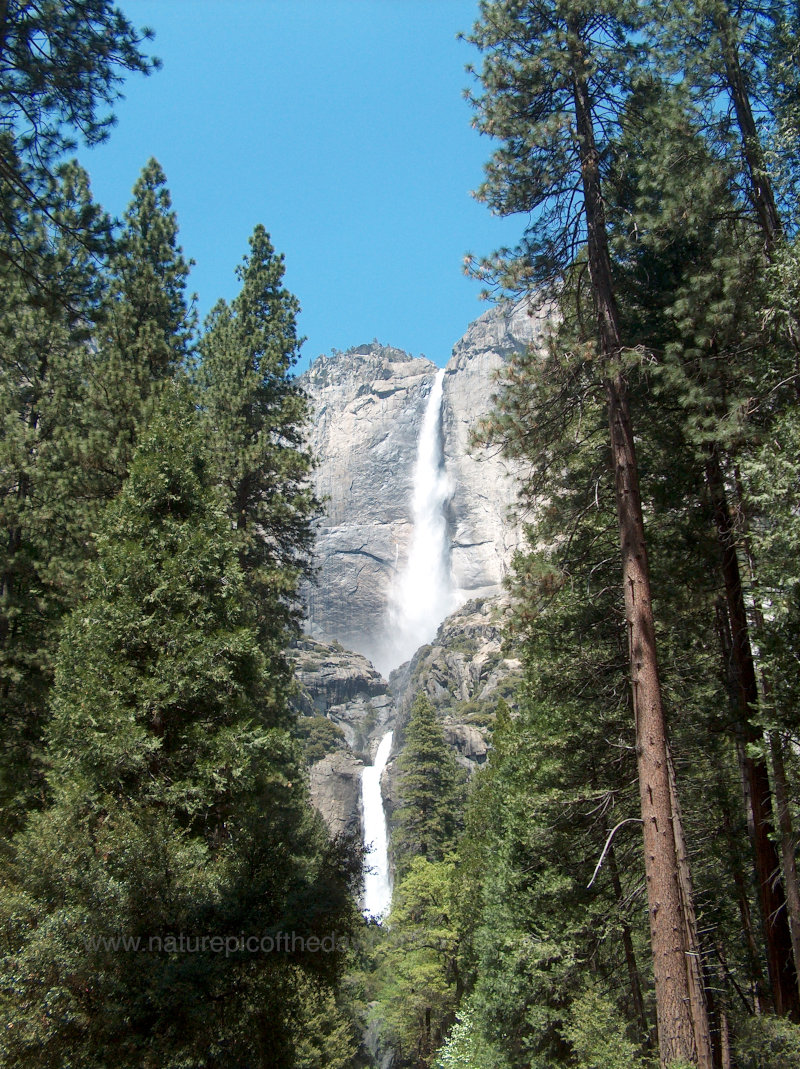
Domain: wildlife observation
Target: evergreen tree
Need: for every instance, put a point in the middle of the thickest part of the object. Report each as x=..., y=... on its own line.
x=44, y=367
x=60, y=66
x=258, y=414
x=430, y=788
x=560, y=777
x=735, y=54
x=146, y=333
x=179, y=806
x=420, y=966
x=695, y=283
x=556, y=77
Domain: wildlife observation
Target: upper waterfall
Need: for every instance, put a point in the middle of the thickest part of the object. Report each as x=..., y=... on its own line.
x=369, y=404
x=422, y=593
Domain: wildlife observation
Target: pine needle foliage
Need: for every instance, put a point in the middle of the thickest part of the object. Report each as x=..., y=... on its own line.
x=179, y=804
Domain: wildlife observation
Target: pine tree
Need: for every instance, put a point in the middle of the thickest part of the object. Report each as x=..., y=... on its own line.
x=81, y=360
x=259, y=414
x=699, y=260
x=560, y=776
x=430, y=789
x=556, y=77
x=420, y=967
x=179, y=807
x=60, y=66
x=146, y=333
x=44, y=359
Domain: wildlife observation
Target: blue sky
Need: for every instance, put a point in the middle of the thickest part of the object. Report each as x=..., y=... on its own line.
x=338, y=124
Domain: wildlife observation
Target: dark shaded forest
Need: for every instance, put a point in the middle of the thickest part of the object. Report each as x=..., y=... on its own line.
x=617, y=887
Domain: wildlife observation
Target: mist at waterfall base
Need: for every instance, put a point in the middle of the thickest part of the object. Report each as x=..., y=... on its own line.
x=377, y=884
x=422, y=593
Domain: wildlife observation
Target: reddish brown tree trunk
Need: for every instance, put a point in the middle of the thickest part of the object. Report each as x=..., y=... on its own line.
x=787, y=845
x=667, y=920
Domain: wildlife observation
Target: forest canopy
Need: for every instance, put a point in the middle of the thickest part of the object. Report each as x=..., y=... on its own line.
x=617, y=886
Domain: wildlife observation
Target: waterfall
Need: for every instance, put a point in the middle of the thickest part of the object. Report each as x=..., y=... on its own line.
x=420, y=598
x=422, y=594
x=377, y=888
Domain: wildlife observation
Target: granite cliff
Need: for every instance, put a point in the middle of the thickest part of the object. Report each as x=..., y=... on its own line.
x=368, y=405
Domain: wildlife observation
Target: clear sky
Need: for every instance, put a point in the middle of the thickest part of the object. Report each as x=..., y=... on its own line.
x=338, y=124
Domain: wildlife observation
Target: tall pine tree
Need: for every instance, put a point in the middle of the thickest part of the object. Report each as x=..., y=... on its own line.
x=258, y=415
x=556, y=77
x=179, y=807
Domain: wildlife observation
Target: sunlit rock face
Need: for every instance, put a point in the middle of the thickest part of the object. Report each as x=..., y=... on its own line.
x=370, y=405
x=483, y=536
x=341, y=686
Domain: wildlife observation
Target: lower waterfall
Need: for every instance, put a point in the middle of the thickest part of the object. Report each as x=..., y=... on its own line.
x=377, y=887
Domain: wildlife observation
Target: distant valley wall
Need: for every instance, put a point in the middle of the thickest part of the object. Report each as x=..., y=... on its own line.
x=368, y=405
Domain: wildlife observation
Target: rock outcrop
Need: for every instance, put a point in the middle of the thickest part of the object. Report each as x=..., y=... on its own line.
x=368, y=405
x=342, y=686
x=345, y=708
x=483, y=536
x=464, y=672
x=335, y=785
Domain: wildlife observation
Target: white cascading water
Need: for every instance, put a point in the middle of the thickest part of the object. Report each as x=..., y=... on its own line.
x=420, y=599
x=422, y=595
x=377, y=886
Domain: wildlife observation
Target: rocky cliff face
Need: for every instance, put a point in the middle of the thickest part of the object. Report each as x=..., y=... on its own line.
x=367, y=411
x=345, y=707
x=368, y=404
x=483, y=537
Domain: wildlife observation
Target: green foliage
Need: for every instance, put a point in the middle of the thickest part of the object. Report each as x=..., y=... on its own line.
x=466, y=1048
x=466, y=644
x=61, y=64
x=430, y=788
x=156, y=767
x=71, y=406
x=145, y=333
x=596, y=1031
x=319, y=736
x=325, y=1037
x=62, y=67
x=178, y=803
x=421, y=987
x=44, y=367
x=684, y=203
x=531, y=50
x=258, y=416
x=767, y=1043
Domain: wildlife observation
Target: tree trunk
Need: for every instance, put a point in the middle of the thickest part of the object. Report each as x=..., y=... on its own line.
x=725, y=1041
x=790, y=877
x=760, y=184
x=762, y=1000
x=667, y=922
x=787, y=844
x=698, y=1002
x=755, y=775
